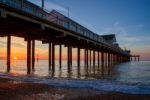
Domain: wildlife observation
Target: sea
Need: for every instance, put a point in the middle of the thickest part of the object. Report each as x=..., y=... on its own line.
x=128, y=77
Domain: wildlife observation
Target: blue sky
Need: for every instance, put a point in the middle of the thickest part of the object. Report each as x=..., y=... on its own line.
x=128, y=19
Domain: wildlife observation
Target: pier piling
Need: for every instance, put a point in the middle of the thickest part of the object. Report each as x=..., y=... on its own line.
x=60, y=56
x=28, y=55
x=69, y=58
x=98, y=60
x=53, y=57
x=8, y=53
x=50, y=56
x=78, y=57
x=33, y=55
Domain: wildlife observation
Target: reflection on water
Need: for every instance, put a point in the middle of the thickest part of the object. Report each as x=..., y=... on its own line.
x=130, y=72
x=42, y=69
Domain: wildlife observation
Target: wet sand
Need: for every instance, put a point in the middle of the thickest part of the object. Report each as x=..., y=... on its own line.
x=16, y=90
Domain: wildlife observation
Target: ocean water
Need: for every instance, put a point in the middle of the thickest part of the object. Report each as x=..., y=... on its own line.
x=129, y=77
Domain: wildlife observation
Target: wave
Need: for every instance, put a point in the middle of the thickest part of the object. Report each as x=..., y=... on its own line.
x=99, y=85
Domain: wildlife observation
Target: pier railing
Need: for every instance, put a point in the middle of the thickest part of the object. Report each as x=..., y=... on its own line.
x=28, y=7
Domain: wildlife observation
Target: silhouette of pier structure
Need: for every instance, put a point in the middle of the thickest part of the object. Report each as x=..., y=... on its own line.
x=135, y=58
x=26, y=20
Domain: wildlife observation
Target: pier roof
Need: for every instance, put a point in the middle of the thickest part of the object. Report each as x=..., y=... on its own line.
x=111, y=38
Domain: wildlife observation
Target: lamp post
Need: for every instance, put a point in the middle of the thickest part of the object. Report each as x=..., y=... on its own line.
x=42, y=4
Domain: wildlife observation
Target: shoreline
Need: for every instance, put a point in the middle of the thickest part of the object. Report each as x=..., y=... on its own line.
x=18, y=90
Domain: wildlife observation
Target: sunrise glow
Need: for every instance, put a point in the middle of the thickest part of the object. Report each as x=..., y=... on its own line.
x=15, y=58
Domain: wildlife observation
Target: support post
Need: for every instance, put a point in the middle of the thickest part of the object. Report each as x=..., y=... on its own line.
x=87, y=58
x=33, y=55
x=102, y=62
x=111, y=58
x=108, y=58
x=8, y=52
x=28, y=55
x=69, y=58
x=94, y=58
x=50, y=56
x=90, y=57
x=98, y=60
x=60, y=56
x=78, y=58
x=102, y=58
x=53, y=57
x=105, y=57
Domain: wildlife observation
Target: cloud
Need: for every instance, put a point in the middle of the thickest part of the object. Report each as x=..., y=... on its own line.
x=1, y=45
x=20, y=45
x=16, y=44
x=131, y=37
x=125, y=33
x=2, y=42
x=119, y=29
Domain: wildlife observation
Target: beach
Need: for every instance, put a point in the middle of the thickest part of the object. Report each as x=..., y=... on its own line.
x=18, y=90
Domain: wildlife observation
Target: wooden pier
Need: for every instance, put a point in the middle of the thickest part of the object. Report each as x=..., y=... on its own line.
x=23, y=19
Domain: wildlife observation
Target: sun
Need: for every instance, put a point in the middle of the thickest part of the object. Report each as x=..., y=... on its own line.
x=15, y=58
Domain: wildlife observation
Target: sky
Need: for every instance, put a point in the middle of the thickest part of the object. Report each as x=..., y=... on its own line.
x=128, y=19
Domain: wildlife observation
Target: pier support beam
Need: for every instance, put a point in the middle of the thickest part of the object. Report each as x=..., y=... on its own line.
x=78, y=61
x=105, y=57
x=50, y=56
x=94, y=59
x=33, y=55
x=102, y=62
x=53, y=57
x=114, y=59
x=78, y=56
x=109, y=58
x=28, y=55
x=98, y=60
x=90, y=57
x=69, y=58
x=60, y=57
x=8, y=53
x=87, y=58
